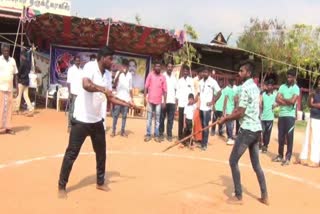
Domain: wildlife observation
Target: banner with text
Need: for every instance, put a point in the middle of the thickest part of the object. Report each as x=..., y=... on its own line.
x=60, y=7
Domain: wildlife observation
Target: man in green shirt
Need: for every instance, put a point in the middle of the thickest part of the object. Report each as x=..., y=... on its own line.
x=249, y=133
x=268, y=103
x=287, y=99
x=228, y=107
x=218, y=110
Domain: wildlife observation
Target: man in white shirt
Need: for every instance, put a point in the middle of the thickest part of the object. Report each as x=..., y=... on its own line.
x=170, y=107
x=88, y=120
x=8, y=70
x=184, y=88
x=74, y=80
x=123, y=84
x=207, y=88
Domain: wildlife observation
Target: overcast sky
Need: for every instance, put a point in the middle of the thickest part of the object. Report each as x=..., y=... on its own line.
x=208, y=17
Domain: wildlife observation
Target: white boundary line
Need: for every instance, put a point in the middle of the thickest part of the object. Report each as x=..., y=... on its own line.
x=167, y=155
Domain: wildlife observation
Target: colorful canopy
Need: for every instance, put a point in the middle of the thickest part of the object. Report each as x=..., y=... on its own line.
x=49, y=29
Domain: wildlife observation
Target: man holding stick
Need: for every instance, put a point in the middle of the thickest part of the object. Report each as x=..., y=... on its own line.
x=88, y=120
x=249, y=133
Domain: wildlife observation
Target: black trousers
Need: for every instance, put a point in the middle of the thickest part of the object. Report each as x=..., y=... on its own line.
x=180, y=123
x=286, y=132
x=167, y=112
x=266, y=131
x=187, y=131
x=78, y=134
x=217, y=115
x=247, y=139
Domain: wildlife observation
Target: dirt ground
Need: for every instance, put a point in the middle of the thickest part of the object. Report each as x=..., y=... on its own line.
x=141, y=178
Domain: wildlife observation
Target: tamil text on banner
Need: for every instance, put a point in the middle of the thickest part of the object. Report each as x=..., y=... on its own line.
x=60, y=7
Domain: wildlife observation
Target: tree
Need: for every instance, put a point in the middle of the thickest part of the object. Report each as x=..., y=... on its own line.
x=138, y=19
x=187, y=53
x=266, y=37
x=298, y=46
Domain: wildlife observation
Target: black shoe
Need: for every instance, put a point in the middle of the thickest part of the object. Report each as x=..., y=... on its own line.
x=161, y=137
x=169, y=139
x=147, y=138
x=204, y=148
x=278, y=159
x=264, y=149
x=285, y=163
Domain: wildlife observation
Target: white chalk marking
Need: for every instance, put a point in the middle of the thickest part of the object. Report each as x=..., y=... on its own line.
x=167, y=155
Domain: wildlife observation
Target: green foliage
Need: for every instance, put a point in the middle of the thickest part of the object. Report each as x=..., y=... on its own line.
x=138, y=19
x=298, y=46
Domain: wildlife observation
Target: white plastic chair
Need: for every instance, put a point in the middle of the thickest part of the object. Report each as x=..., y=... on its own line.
x=50, y=93
x=62, y=96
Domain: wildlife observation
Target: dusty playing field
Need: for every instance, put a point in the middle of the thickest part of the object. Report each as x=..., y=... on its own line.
x=141, y=178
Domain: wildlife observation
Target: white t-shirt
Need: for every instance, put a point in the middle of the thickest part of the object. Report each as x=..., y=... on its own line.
x=89, y=105
x=184, y=88
x=124, y=86
x=189, y=111
x=74, y=78
x=7, y=71
x=207, y=89
x=171, y=88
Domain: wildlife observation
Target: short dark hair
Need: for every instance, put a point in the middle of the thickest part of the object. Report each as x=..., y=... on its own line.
x=185, y=66
x=76, y=57
x=270, y=82
x=93, y=56
x=157, y=61
x=105, y=51
x=292, y=72
x=170, y=62
x=134, y=61
x=190, y=96
x=249, y=66
x=125, y=62
x=231, y=81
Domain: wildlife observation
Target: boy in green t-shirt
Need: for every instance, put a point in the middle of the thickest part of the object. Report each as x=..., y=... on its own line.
x=218, y=110
x=268, y=103
x=228, y=107
x=287, y=99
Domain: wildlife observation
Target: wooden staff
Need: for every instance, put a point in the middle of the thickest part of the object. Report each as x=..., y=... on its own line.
x=190, y=136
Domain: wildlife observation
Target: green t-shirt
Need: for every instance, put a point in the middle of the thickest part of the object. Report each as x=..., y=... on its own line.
x=288, y=93
x=268, y=102
x=250, y=100
x=230, y=94
x=219, y=104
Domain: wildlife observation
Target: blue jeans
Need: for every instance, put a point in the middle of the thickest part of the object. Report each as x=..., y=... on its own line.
x=247, y=140
x=153, y=109
x=205, y=119
x=230, y=125
x=116, y=110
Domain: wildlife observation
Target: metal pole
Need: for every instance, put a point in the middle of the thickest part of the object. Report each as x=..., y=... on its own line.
x=109, y=27
x=15, y=43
